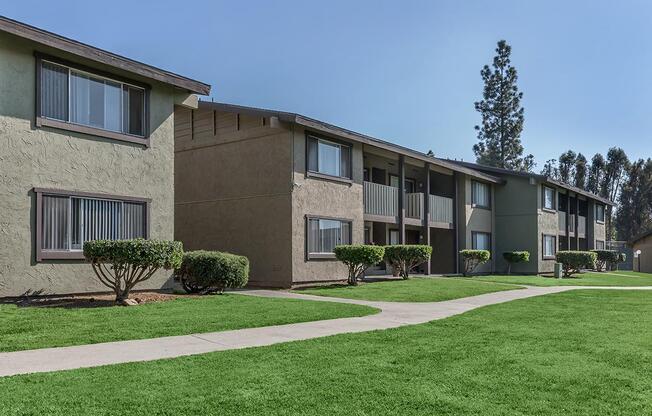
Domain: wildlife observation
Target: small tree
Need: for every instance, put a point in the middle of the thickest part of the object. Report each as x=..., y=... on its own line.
x=622, y=257
x=358, y=258
x=473, y=258
x=404, y=257
x=605, y=259
x=574, y=261
x=209, y=271
x=513, y=257
x=122, y=264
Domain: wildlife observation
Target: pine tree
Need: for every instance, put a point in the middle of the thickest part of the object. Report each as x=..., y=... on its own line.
x=567, y=166
x=616, y=167
x=550, y=169
x=580, y=171
x=502, y=116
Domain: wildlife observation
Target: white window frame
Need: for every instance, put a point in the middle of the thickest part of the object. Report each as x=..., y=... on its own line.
x=474, y=202
x=597, y=209
x=543, y=246
x=554, y=198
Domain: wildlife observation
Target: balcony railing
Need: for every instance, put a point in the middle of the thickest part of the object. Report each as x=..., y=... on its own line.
x=581, y=223
x=441, y=209
x=382, y=200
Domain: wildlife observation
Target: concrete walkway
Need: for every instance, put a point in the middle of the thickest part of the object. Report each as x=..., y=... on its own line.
x=392, y=315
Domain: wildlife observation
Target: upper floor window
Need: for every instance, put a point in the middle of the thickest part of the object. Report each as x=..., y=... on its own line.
x=480, y=194
x=548, y=198
x=329, y=158
x=65, y=221
x=599, y=212
x=82, y=98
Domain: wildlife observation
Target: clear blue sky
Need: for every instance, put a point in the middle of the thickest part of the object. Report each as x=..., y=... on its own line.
x=405, y=71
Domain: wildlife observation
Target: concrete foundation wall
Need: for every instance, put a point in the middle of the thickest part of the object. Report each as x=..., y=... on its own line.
x=50, y=158
x=233, y=187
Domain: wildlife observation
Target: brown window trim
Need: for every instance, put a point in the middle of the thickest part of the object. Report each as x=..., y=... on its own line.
x=543, y=247
x=555, y=197
x=324, y=256
x=473, y=204
x=318, y=175
x=76, y=255
x=79, y=128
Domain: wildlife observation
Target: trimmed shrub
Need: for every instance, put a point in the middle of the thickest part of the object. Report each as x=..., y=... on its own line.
x=358, y=258
x=574, y=261
x=473, y=258
x=605, y=259
x=513, y=257
x=122, y=264
x=209, y=271
x=404, y=257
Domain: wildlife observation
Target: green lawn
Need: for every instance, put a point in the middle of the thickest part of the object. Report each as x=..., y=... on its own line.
x=39, y=327
x=416, y=289
x=575, y=353
x=616, y=278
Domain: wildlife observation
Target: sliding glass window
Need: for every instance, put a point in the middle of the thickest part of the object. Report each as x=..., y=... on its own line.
x=82, y=98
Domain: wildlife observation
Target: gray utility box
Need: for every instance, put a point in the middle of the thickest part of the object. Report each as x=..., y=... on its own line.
x=558, y=270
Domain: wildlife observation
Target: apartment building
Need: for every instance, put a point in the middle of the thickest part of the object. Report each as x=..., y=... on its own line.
x=284, y=189
x=542, y=215
x=86, y=152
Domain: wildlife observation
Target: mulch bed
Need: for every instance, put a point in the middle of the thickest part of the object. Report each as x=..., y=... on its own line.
x=90, y=301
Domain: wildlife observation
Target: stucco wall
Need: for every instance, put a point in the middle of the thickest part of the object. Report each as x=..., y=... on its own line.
x=312, y=196
x=474, y=219
x=516, y=227
x=49, y=158
x=644, y=261
x=233, y=191
x=549, y=225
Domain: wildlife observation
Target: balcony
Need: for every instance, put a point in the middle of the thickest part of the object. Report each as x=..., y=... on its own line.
x=581, y=222
x=381, y=204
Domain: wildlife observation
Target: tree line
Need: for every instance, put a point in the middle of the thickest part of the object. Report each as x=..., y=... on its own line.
x=612, y=176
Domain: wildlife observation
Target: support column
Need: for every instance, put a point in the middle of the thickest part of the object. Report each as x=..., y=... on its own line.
x=577, y=222
x=426, y=215
x=401, y=199
x=456, y=246
x=567, y=213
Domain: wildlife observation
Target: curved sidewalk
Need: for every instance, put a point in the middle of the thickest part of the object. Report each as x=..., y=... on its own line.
x=392, y=315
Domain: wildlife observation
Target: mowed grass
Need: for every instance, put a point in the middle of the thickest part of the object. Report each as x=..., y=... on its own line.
x=574, y=353
x=24, y=328
x=615, y=278
x=432, y=289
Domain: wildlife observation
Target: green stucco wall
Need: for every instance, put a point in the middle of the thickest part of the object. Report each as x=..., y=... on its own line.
x=49, y=158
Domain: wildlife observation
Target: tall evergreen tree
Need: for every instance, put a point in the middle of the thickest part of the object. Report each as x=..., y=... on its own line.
x=567, y=166
x=596, y=174
x=580, y=171
x=550, y=169
x=499, y=134
x=634, y=213
x=615, y=168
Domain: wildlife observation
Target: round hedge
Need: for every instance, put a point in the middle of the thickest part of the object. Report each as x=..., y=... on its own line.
x=137, y=252
x=215, y=270
x=516, y=256
x=407, y=256
x=358, y=257
x=573, y=261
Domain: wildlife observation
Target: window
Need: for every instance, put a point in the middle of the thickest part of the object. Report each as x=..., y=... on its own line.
x=599, y=213
x=481, y=241
x=480, y=194
x=549, y=246
x=329, y=158
x=410, y=184
x=548, y=198
x=393, y=237
x=66, y=221
x=324, y=234
x=599, y=244
x=83, y=99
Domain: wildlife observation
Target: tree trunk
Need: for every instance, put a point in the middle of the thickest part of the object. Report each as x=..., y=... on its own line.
x=509, y=269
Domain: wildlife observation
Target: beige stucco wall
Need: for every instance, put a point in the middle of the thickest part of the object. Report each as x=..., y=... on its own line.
x=548, y=224
x=644, y=261
x=233, y=190
x=320, y=197
x=474, y=219
x=49, y=158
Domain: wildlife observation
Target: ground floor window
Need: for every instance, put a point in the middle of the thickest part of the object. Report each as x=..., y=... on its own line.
x=65, y=221
x=599, y=244
x=549, y=246
x=393, y=237
x=326, y=233
x=481, y=241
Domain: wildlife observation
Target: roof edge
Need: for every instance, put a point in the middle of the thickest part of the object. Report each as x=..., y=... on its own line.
x=102, y=56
